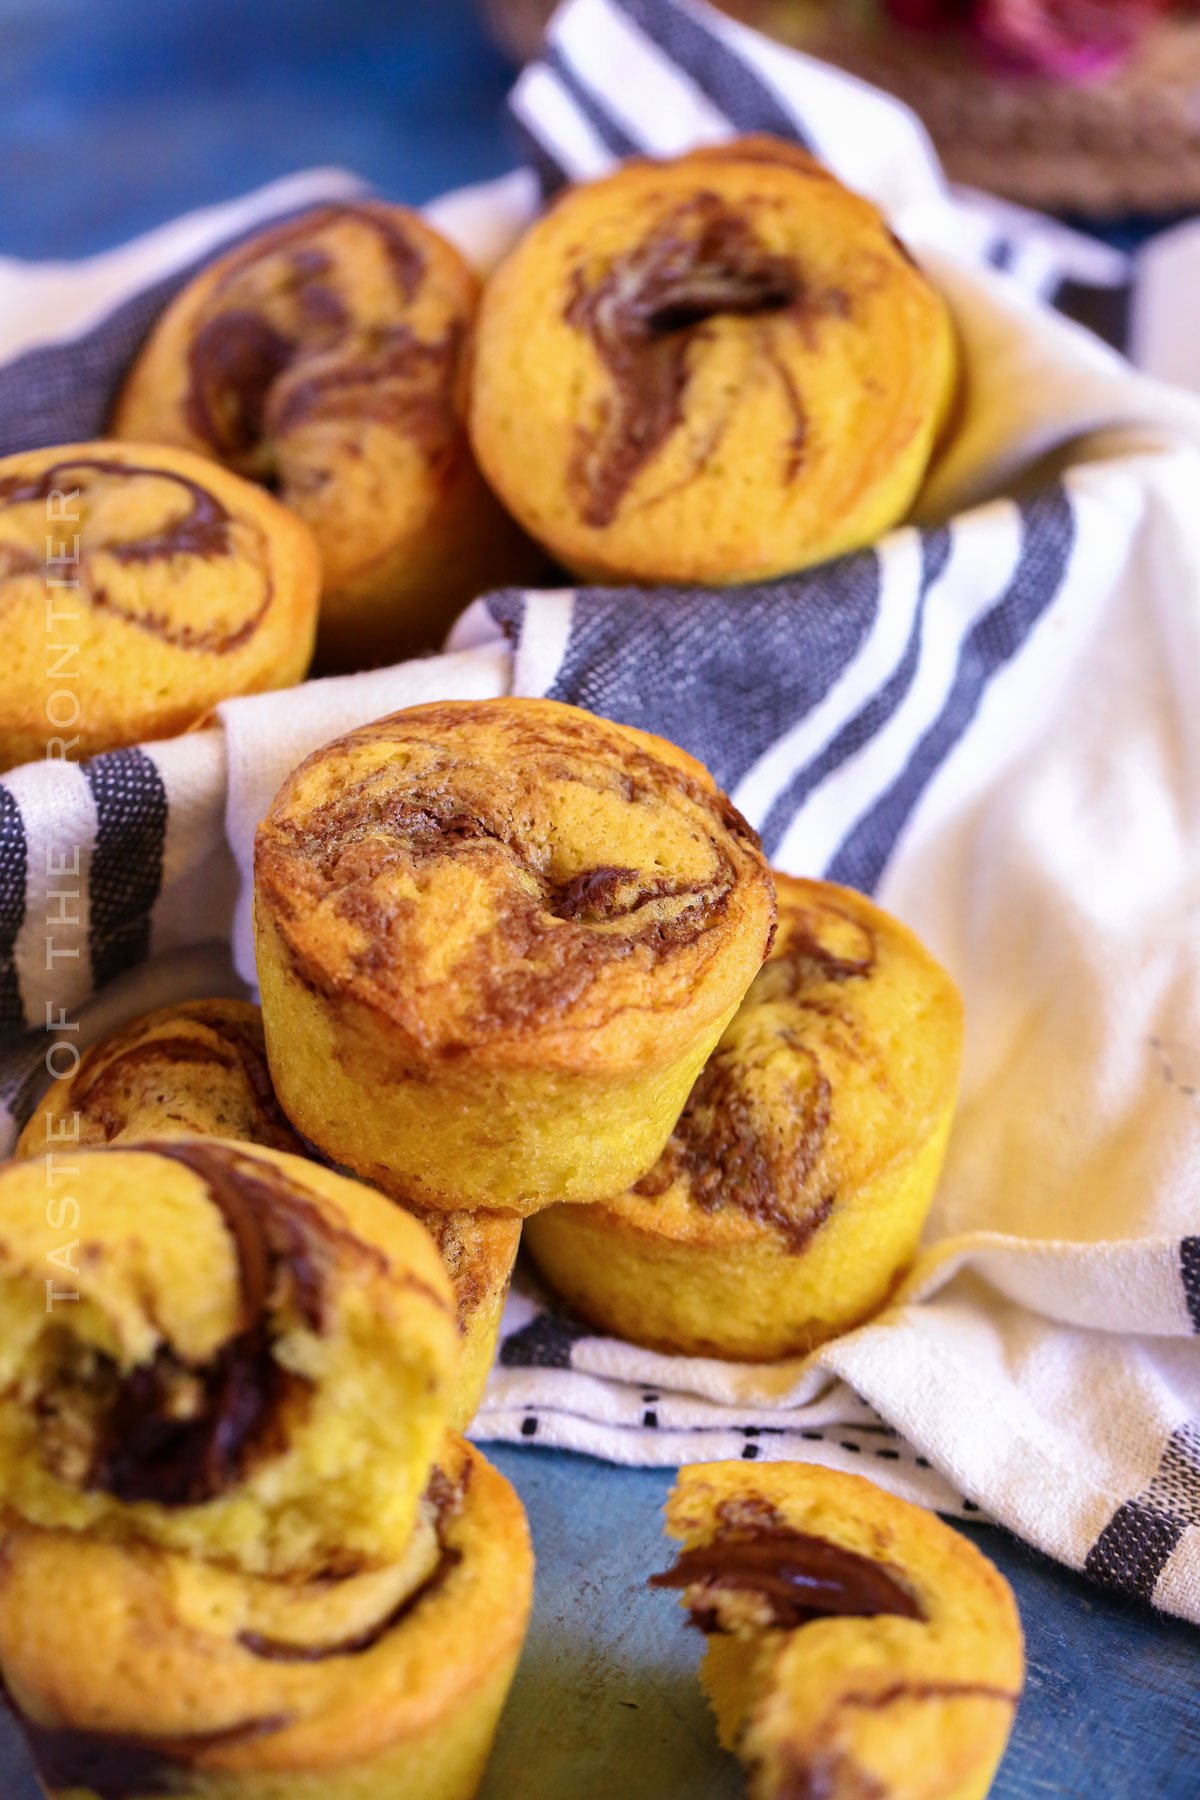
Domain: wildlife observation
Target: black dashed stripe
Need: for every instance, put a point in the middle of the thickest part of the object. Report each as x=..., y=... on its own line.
x=545, y=1343
x=1104, y=310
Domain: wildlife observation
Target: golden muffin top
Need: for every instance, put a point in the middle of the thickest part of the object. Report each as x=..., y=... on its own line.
x=140, y=587
x=321, y=345
x=712, y=368
x=199, y=1068
x=516, y=879
x=840, y=1062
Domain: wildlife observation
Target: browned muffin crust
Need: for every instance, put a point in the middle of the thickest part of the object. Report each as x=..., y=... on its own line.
x=326, y=358
x=719, y=1146
x=554, y=941
x=203, y=530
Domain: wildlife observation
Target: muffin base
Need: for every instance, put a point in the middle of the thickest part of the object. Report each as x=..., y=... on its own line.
x=489, y=1139
x=412, y=1715
x=743, y=1295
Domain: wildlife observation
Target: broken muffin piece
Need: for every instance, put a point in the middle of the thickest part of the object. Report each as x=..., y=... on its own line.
x=857, y=1646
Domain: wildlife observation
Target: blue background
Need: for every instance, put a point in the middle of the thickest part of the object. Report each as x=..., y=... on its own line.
x=116, y=116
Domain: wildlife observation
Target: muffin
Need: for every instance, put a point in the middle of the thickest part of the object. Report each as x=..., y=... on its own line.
x=794, y=1187
x=200, y=1069
x=384, y=1683
x=221, y=1350
x=327, y=359
x=714, y=369
x=141, y=586
x=856, y=1645
x=496, y=943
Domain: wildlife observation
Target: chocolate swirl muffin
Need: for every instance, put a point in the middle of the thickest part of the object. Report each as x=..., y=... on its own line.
x=327, y=359
x=792, y=1192
x=231, y=1687
x=194, y=1070
x=139, y=588
x=496, y=942
x=856, y=1645
x=714, y=369
x=200, y=1069
x=222, y=1350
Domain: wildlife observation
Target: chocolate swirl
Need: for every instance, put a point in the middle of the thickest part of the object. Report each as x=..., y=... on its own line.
x=795, y=1576
x=146, y=1061
x=203, y=531
x=122, y=1765
x=179, y=1435
x=281, y=342
x=117, y=1764
x=446, y=1498
x=647, y=314
x=752, y=1139
x=550, y=935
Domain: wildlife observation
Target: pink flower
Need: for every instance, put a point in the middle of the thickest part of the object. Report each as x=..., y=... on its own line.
x=1068, y=40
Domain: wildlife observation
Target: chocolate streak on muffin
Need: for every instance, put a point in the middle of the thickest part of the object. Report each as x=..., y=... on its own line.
x=178, y=1435
x=645, y=315
x=233, y=363
x=813, y=960
x=720, y=1146
x=816, y=1777
x=345, y=843
x=798, y=1577
x=392, y=379
x=719, y=1150
x=96, y=1092
x=203, y=531
x=254, y=378
x=121, y=1765
x=269, y=1649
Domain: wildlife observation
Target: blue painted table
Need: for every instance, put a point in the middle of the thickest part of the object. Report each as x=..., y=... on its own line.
x=114, y=118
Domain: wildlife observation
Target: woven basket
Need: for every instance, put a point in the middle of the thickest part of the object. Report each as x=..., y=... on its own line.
x=1128, y=144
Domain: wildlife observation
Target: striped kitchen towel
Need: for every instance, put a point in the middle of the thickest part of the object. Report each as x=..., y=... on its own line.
x=988, y=719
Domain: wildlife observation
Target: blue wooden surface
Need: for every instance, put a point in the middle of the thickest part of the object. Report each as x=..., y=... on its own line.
x=114, y=118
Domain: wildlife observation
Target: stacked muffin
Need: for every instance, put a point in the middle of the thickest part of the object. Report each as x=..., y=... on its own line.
x=230, y=1449
x=517, y=958
x=200, y=1069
